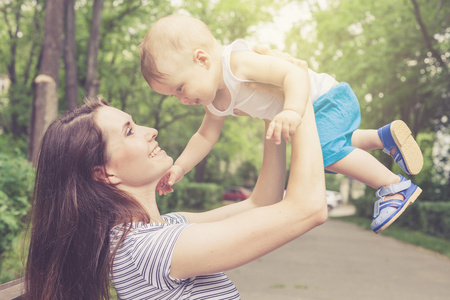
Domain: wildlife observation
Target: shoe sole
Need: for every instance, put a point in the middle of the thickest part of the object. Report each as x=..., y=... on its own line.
x=408, y=147
x=410, y=201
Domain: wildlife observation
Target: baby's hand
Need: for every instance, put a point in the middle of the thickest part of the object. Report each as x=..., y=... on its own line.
x=286, y=123
x=163, y=187
x=175, y=174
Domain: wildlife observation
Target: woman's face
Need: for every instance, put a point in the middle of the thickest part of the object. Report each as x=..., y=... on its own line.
x=134, y=157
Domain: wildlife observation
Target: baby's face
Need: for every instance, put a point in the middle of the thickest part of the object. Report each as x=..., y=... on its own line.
x=193, y=82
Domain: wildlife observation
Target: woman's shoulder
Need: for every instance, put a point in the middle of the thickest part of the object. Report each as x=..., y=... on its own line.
x=174, y=221
x=175, y=218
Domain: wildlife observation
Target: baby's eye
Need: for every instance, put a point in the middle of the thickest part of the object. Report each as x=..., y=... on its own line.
x=180, y=88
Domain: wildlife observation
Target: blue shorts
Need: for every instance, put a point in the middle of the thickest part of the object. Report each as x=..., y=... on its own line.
x=337, y=116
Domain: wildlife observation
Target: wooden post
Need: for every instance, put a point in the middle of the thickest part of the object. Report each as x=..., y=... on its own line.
x=44, y=111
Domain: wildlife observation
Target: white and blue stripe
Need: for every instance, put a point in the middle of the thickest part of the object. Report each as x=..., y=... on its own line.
x=142, y=265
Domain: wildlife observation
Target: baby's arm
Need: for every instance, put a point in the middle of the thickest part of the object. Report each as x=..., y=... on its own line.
x=276, y=71
x=197, y=148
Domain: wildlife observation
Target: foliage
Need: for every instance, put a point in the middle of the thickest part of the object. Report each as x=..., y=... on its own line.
x=21, y=32
x=15, y=192
x=247, y=175
x=124, y=26
x=13, y=147
x=380, y=48
x=191, y=196
x=333, y=181
x=12, y=263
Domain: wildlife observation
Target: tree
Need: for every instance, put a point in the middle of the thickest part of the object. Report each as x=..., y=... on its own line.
x=92, y=81
x=394, y=54
x=20, y=32
x=45, y=101
x=70, y=61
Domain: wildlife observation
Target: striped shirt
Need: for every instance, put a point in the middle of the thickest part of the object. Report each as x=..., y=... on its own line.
x=141, y=266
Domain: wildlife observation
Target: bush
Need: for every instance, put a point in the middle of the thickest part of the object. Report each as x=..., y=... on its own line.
x=364, y=207
x=435, y=218
x=16, y=187
x=191, y=196
x=432, y=218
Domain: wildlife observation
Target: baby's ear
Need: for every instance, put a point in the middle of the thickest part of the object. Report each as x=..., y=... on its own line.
x=202, y=57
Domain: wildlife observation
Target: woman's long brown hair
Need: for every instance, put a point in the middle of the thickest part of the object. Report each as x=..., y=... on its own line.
x=72, y=213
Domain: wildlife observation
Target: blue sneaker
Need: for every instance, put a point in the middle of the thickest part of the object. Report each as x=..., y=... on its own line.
x=407, y=154
x=387, y=211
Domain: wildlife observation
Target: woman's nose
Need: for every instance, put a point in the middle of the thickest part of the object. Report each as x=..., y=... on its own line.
x=151, y=134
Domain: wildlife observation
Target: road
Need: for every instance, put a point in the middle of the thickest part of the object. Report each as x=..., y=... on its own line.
x=341, y=261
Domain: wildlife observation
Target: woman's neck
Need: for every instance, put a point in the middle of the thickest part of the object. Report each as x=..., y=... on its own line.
x=146, y=196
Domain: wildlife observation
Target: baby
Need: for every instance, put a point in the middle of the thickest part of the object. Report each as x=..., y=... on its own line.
x=181, y=57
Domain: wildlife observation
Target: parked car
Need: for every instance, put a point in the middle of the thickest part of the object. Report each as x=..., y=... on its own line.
x=236, y=194
x=334, y=199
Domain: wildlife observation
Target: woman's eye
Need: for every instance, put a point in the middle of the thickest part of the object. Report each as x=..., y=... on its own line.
x=130, y=131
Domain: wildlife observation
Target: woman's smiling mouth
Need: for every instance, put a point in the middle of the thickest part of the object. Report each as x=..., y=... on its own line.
x=155, y=151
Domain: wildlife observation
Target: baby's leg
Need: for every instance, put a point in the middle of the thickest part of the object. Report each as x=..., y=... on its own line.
x=395, y=139
x=367, y=139
x=363, y=167
x=394, y=192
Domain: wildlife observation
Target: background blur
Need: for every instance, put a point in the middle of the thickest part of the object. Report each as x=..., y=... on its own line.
x=394, y=53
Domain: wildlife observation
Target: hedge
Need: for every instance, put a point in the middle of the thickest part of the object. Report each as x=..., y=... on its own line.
x=191, y=196
x=16, y=186
x=432, y=218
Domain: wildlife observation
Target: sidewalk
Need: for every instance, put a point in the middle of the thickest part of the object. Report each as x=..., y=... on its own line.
x=340, y=261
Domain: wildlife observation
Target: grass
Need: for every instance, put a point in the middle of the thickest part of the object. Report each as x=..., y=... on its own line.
x=406, y=235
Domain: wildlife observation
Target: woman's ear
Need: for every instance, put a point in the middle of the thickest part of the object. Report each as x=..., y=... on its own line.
x=99, y=174
x=203, y=58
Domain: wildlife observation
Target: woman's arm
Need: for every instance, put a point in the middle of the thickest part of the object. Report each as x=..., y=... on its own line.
x=212, y=247
x=268, y=189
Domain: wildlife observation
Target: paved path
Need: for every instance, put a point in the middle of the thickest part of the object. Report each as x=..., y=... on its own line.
x=340, y=261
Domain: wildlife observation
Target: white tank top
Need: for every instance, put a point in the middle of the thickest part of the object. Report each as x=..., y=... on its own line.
x=256, y=103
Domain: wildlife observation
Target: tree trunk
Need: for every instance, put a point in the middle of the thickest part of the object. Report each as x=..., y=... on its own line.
x=70, y=61
x=45, y=101
x=200, y=170
x=92, y=82
x=45, y=110
x=51, y=48
x=429, y=41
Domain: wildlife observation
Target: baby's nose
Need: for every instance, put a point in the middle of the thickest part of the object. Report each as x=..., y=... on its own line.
x=184, y=100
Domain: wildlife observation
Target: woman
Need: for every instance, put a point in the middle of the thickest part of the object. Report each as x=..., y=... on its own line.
x=94, y=214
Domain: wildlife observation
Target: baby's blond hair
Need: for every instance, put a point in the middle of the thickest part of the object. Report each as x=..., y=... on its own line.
x=172, y=35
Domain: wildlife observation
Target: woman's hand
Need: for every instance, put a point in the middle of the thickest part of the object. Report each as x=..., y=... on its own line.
x=275, y=52
x=271, y=89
